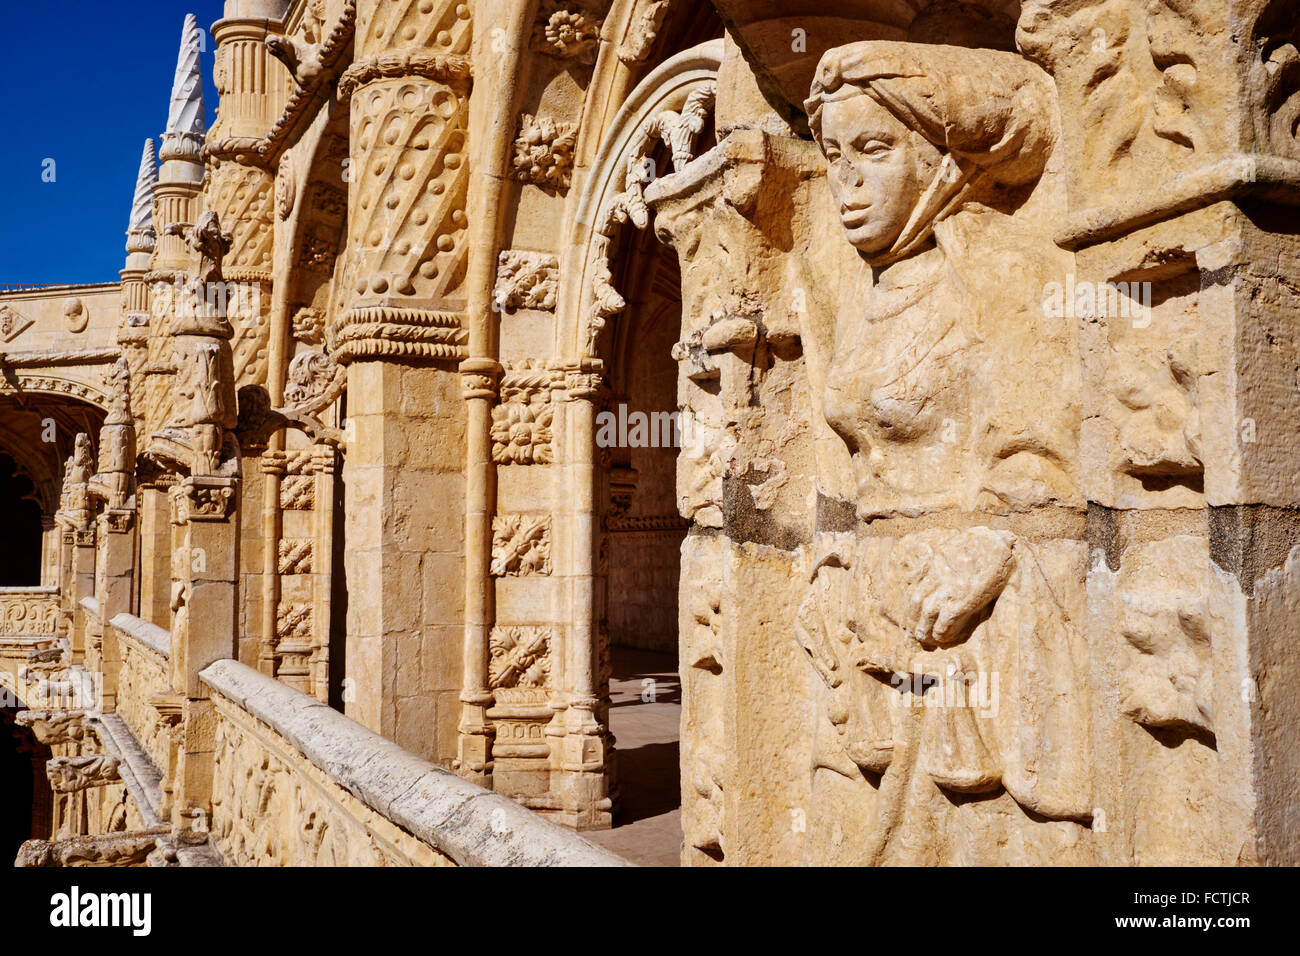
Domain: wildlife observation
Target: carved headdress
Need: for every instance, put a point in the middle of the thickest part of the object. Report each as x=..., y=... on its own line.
x=989, y=111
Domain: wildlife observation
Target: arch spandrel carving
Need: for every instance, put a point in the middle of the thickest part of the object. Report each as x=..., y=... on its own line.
x=612, y=190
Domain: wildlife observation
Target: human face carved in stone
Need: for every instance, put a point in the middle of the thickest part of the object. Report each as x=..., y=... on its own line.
x=878, y=170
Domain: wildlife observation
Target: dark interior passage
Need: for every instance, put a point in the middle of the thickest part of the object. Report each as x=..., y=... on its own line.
x=20, y=557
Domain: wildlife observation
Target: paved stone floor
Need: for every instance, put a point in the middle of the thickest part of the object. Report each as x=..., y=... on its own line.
x=648, y=826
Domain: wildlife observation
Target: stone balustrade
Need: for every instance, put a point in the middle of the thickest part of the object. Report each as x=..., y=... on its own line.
x=297, y=783
x=142, y=680
x=29, y=611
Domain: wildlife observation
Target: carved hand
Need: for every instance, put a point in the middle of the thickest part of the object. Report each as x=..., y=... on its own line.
x=945, y=586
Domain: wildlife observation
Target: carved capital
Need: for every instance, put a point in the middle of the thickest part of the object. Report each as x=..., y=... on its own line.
x=205, y=499
x=118, y=520
x=479, y=378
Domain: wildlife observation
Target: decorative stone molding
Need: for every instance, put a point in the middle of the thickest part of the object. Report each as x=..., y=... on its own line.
x=567, y=29
x=445, y=68
x=74, y=774
x=521, y=545
x=36, y=358
x=521, y=424
x=544, y=152
x=383, y=332
x=35, y=614
x=526, y=280
x=671, y=105
x=519, y=657
x=23, y=382
x=648, y=523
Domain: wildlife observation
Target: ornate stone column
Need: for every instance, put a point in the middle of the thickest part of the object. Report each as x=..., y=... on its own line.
x=113, y=487
x=583, y=764
x=77, y=551
x=177, y=200
x=199, y=444
x=240, y=187
x=141, y=238
x=481, y=381
x=49, y=551
x=401, y=334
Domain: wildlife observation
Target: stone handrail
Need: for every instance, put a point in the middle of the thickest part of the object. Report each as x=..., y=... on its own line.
x=152, y=636
x=141, y=679
x=341, y=794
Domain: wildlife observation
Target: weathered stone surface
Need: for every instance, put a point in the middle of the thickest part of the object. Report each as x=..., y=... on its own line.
x=921, y=374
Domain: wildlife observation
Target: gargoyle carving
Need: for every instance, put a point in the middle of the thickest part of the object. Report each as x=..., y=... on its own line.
x=71, y=774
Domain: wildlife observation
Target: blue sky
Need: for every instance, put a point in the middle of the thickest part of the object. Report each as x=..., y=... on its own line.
x=82, y=83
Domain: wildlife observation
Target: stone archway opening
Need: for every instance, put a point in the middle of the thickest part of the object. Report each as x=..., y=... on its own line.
x=26, y=800
x=37, y=435
x=20, y=559
x=638, y=440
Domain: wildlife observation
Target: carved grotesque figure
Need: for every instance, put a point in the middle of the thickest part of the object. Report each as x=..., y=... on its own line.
x=950, y=651
x=74, y=501
x=114, y=480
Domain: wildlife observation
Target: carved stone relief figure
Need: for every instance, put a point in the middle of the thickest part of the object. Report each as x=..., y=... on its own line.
x=1166, y=624
x=951, y=653
x=199, y=436
x=74, y=500
x=70, y=774
x=57, y=727
x=113, y=849
x=114, y=481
